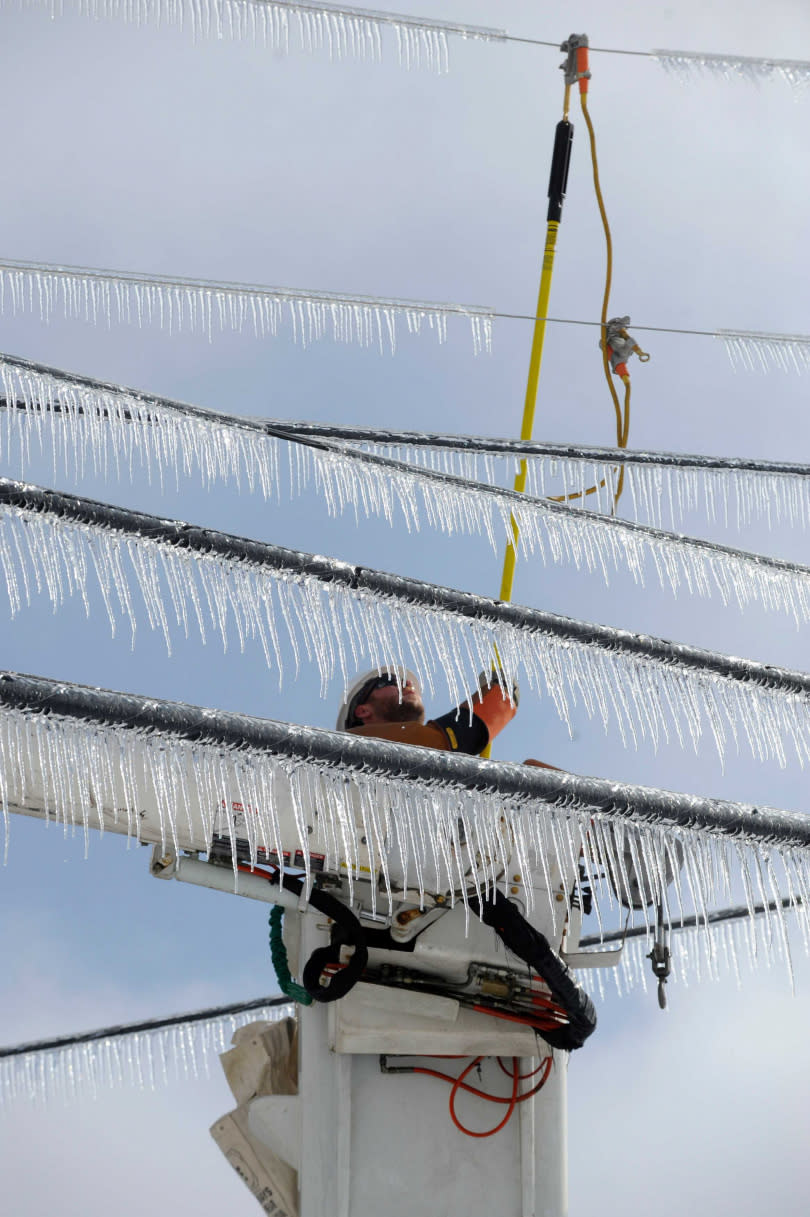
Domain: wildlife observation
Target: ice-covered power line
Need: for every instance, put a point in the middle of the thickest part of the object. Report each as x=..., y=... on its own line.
x=86, y=756
x=208, y=307
x=345, y=617
x=341, y=31
x=165, y=434
x=685, y=64
x=83, y=424
x=146, y=1054
x=348, y=31
x=552, y=530
x=738, y=912
x=257, y=1007
x=92, y=750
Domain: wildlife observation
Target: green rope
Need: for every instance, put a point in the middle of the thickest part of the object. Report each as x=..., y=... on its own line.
x=278, y=954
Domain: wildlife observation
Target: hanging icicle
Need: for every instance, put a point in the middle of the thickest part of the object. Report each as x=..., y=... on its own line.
x=144, y=1055
x=208, y=307
x=685, y=64
x=345, y=618
x=339, y=30
x=753, y=351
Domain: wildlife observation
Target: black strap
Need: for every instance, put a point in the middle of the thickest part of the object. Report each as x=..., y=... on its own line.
x=349, y=933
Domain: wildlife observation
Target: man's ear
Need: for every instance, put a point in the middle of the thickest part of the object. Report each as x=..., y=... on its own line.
x=363, y=711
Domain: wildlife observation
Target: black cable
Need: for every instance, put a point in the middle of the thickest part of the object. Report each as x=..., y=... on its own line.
x=293, y=430
x=347, y=931
x=721, y=916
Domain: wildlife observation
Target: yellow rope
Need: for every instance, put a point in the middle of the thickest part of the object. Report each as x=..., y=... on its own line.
x=622, y=415
x=608, y=267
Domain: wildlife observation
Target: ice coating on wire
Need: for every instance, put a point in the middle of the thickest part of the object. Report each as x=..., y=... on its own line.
x=110, y=432
x=317, y=609
x=86, y=425
x=662, y=495
x=686, y=64
x=752, y=351
x=85, y=774
x=146, y=1060
x=208, y=307
x=560, y=535
x=342, y=31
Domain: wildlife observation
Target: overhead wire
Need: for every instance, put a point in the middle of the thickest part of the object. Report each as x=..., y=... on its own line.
x=39, y=389
x=147, y=1025
x=105, y=521
x=349, y=29
x=207, y=305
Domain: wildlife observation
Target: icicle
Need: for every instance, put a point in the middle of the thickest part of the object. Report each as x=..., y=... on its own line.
x=341, y=31
x=685, y=64
x=145, y=1060
x=203, y=306
x=753, y=351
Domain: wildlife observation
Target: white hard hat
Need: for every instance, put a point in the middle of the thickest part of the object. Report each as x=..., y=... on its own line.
x=361, y=687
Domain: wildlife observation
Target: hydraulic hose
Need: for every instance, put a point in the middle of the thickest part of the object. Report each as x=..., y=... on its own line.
x=533, y=948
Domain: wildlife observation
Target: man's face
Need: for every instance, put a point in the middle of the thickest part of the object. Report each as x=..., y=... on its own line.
x=384, y=705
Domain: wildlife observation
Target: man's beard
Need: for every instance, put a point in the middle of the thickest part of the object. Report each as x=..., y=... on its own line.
x=402, y=712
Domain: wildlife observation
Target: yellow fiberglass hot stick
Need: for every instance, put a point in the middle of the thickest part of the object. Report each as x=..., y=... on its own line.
x=576, y=68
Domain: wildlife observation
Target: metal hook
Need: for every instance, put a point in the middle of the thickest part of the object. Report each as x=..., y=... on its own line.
x=660, y=957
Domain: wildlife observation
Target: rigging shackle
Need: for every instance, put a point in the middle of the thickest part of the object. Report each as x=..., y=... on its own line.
x=620, y=346
x=660, y=957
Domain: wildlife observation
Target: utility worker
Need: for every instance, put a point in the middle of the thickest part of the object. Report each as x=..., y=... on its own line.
x=389, y=706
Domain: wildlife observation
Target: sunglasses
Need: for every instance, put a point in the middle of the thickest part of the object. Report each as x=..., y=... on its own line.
x=382, y=682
